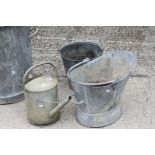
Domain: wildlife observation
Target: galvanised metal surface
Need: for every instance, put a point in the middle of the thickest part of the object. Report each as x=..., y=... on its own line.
x=98, y=85
x=15, y=59
x=76, y=52
x=43, y=107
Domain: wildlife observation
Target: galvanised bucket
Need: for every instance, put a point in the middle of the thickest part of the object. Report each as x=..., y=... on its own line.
x=41, y=93
x=15, y=59
x=98, y=85
x=76, y=52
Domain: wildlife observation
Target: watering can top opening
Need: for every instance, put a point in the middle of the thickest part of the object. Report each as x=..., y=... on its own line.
x=37, y=79
x=107, y=69
x=88, y=49
x=41, y=84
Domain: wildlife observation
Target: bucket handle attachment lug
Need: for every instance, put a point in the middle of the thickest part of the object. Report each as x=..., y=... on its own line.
x=115, y=85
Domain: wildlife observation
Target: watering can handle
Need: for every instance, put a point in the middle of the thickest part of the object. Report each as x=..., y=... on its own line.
x=35, y=66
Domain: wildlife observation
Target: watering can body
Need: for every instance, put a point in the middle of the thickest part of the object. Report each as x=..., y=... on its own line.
x=39, y=107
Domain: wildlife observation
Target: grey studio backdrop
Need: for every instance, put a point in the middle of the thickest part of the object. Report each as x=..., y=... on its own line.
x=138, y=98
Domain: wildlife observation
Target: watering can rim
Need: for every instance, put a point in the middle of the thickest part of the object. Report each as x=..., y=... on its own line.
x=100, y=83
x=78, y=42
x=31, y=68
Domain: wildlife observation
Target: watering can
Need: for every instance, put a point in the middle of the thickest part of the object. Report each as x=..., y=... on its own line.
x=41, y=93
x=98, y=85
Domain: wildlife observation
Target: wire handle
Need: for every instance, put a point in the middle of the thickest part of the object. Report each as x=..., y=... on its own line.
x=35, y=66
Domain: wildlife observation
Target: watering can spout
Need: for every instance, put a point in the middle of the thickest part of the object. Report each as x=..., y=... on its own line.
x=59, y=106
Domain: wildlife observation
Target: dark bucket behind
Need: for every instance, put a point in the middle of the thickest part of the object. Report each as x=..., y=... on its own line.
x=76, y=52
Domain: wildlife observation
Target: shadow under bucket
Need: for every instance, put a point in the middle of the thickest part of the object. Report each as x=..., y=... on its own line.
x=76, y=52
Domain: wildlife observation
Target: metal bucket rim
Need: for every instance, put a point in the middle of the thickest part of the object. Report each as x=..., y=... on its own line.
x=100, y=83
x=74, y=43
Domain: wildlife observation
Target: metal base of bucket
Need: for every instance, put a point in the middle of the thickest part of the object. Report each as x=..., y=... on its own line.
x=99, y=120
x=13, y=99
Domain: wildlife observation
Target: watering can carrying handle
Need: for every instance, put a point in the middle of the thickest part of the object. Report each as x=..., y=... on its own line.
x=35, y=66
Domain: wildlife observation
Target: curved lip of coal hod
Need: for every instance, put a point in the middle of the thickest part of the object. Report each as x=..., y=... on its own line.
x=76, y=43
x=100, y=83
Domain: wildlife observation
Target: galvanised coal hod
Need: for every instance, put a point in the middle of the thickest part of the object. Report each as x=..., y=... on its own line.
x=98, y=85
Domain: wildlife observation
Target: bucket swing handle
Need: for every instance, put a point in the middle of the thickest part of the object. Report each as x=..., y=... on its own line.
x=35, y=66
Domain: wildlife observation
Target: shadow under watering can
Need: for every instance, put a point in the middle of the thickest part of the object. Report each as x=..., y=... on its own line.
x=41, y=93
